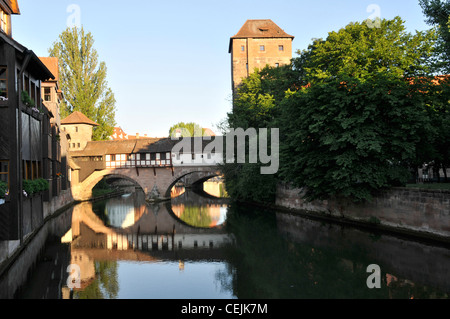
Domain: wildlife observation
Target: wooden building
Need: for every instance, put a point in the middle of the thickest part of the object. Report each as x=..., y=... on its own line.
x=56, y=157
x=24, y=120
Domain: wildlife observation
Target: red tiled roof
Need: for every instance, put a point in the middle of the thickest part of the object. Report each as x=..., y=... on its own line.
x=119, y=135
x=51, y=64
x=208, y=132
x=78, y=118
x=261, y=29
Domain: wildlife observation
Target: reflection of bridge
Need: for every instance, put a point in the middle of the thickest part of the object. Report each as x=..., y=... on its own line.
x=148, y=227
x=153, y=234
x=156, y=165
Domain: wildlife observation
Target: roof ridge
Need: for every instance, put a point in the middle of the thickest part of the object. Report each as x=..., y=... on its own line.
x=251, y=27
x=76, y=117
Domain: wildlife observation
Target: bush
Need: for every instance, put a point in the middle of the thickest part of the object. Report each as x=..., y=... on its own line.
x=32, y=187
x=42, y=185
x=3, y=189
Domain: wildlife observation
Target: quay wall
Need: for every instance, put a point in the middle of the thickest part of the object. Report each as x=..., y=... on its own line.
x=18, y=259
x=418, y=212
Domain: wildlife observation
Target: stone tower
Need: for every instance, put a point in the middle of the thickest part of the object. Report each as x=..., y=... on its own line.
x=257, y=44
x=79, y=127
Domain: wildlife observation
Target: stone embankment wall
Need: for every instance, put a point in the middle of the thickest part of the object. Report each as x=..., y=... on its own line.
x=416, y=211
x=17, y=259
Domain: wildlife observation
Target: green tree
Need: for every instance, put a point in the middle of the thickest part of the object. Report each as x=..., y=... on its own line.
x=359, y=50
x=187, y=129
x=256, y=105
x=349, y=137
x=83, y=81
x=437, y=14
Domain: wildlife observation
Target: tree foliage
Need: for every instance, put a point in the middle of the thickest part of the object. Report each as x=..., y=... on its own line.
x=190, y=129
x=350, y=138
x=437, y=13
x=359, y=50
x=83, y=81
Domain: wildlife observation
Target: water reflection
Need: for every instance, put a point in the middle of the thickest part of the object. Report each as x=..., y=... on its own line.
x=199, y=211
x=313, y=259
x=108, y=238
x=126, y=248
x=215, y=188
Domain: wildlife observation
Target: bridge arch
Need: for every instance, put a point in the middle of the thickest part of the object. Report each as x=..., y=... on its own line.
x=195, y=177
x=83, y=191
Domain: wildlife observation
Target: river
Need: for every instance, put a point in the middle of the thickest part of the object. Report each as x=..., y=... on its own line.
x=200, y=246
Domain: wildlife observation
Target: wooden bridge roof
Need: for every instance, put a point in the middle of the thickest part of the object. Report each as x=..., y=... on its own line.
x=142, y=145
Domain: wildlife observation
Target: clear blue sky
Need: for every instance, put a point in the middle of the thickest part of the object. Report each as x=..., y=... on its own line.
x=168, y=61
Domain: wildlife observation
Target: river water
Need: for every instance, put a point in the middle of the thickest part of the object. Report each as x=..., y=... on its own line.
x=200, y=246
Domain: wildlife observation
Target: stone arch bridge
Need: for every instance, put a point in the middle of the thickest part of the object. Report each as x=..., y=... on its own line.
x=150, y=163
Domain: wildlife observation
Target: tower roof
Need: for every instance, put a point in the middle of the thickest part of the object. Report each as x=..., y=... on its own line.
x=78, y=118
x=260, y=28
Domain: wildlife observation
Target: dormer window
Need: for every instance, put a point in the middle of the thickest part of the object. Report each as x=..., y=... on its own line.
x=263, y=29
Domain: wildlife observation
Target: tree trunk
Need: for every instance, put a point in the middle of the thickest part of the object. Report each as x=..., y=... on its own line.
x=436, y=169
x=445, y=173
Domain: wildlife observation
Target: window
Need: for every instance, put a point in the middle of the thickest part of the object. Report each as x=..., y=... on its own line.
x=79, y=146
x=277, y=64
x=242, y=48
x=4, y=172
x=33, y=92
x=47, y=95
x=27, y=84
x=262, y=48
x=76, y=129
x=113, y=158
x=281, y=48
x=4, y=25
x=3, y=83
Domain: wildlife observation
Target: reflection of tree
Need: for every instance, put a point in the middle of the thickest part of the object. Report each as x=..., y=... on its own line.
x=105, y=284
x=197, y=216
x=265, y=265
x=99, y=208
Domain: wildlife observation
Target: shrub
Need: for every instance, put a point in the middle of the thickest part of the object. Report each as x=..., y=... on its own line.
x=3, y=189
x=32, y=187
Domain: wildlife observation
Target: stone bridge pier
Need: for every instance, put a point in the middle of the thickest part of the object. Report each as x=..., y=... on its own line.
x=155, y=182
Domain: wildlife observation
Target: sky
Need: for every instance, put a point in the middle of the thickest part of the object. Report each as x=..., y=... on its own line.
x=168, y=61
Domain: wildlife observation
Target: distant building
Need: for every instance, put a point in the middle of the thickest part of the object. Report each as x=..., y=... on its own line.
x=80, y=129
x=56, y=150
x=257, y=44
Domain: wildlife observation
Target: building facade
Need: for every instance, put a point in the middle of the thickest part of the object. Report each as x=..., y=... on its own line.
x=24, y=120
x=56, y=149
x=257, y=44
